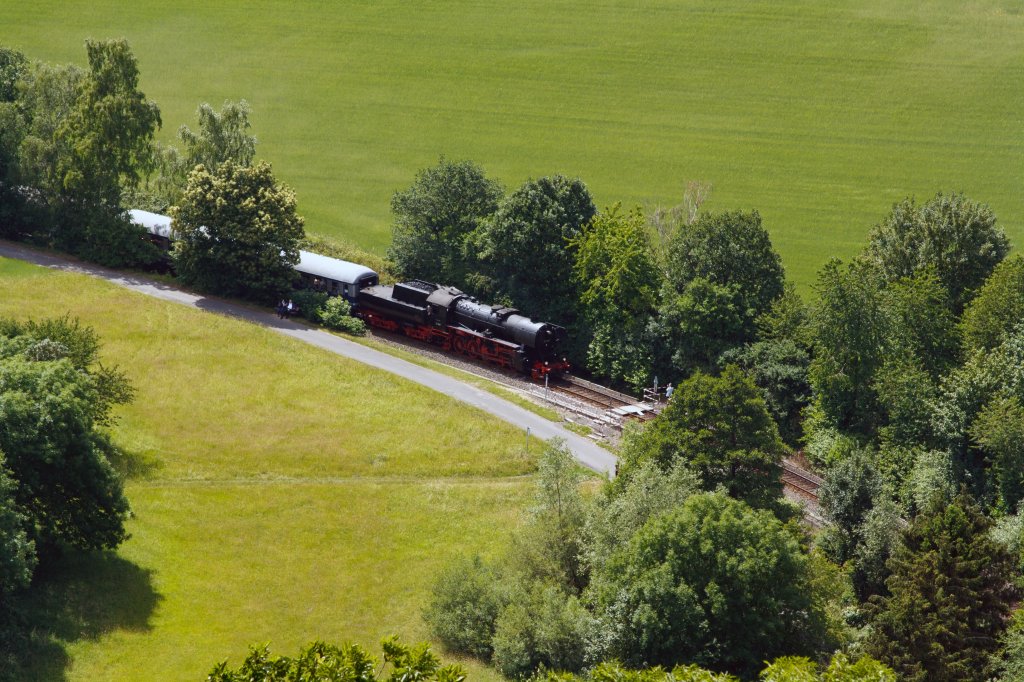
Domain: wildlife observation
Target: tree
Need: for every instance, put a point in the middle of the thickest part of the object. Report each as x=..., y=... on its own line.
x=848, y=493
x=52, y=402
x=47, y=96
x=17, y=551
x=626, y=503
x=952, y=234
x=788, y=319
x=693, y=328
x=106, y=144
x=905, y=392
x=850, y=327
x=965, y=391
x=840, y=669
x=712, y=582
x=1008, y=662
x=550, y=546
x=221, y=136
x=997, y=309
x=321, y=662
x=614, y=672
x=999, y=431
x=238, y=232
x=619, y=282
x=923, y=326
x=721, y=428
x=13, y=68
x=722, y=273
x=526, y=248
x=731, y=248
x=434, y=217
x=542, y=628
x=951, y=589
x=878, y=537
x=779, y=368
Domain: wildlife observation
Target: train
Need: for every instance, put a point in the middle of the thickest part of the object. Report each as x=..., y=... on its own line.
x=439, y=315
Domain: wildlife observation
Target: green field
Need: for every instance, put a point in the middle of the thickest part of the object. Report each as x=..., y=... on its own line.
x=281, y=493
x=819, y=114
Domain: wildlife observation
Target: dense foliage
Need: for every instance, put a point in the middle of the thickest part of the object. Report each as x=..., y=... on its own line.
x=322, y=662
x=72, y=141
x=645, y=572
x=721, y=428
x=238, y=232
x=707, y=583
x=53, y=398
x=59, y=492
x=951, y=592
x=434, y=218
x=952, y=234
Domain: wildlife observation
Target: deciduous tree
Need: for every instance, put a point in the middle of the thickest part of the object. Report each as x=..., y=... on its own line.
x=721, y=428
x=106, y=144
x=435, y=215
x=999, y=430
x=238, y=232
x=713, y=582
x=527, y=246
x=999, y=306
x=619, y=282
x=51, y=403
x=722, y=273
x=851, y=327
x=957, y=237
x=222, y=136
x=17, y=552
x=321, y=662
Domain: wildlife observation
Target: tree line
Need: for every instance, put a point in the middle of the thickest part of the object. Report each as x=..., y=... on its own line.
x=78, y=149
x=899, y=379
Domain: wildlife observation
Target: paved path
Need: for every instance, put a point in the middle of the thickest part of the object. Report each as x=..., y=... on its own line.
x=587, y=452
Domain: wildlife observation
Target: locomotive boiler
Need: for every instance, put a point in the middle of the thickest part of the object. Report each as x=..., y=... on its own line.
x=453, y=320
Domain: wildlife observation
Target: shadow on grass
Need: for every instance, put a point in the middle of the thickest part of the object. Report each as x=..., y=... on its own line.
x=78, y=597
x=134, y=464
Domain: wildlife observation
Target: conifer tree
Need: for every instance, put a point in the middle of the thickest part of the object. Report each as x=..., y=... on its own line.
x=951, y=589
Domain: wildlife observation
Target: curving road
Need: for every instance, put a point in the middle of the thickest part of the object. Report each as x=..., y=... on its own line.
x=586, y=452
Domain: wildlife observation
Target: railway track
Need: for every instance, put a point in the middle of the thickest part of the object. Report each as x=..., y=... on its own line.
x=590, y=393
x=802, y=486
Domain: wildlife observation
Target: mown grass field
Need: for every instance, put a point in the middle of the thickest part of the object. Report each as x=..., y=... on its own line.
x=818, y=114
x=281, y=494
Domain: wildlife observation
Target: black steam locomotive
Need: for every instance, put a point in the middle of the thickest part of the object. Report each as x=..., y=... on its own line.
x=443, y=316
x=453, y=320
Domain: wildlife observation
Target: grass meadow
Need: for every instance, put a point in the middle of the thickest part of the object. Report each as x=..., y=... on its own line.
x=818, y=114
x=281, y=493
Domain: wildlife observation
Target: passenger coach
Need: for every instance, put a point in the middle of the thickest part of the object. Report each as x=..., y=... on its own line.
x=331, y=275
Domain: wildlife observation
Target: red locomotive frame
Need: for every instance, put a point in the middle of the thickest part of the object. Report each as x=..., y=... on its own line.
x=466, y=342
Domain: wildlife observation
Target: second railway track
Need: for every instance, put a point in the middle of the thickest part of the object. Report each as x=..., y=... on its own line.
x=591, y=394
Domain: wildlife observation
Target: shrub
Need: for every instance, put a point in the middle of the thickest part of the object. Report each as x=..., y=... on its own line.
x=543, y=628
x=467, y=599
x=335, y=314
x=309, y=302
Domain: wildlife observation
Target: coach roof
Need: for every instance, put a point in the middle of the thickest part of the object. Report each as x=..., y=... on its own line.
x=157, y=224
x=331, y=268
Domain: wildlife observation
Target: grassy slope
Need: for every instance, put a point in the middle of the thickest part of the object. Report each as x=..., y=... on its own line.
x=818, y=114
x=281, y=493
